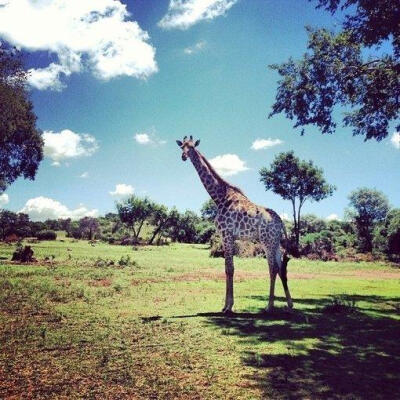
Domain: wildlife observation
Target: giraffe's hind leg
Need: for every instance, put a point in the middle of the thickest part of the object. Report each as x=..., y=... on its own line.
x=282, y=271
x=276, y=266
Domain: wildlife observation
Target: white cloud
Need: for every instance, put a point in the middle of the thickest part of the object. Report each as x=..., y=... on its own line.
x=66, y=144
x=332, y=217
x=228, y=164
x=395, y=139
x=146, y=138
x=122, y=190
x=4, y=199
x=84, y=175
x=143, y=138
x=199, y=46
x=42, y=208
x=259, y=144
x=182, y=14
x=83, y=35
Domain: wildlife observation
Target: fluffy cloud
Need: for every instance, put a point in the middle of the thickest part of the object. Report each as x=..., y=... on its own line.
x=146, y=138
x=60, y=146
x=284, y=216
x=42, y=208
x=84, y=175
x=395, y=139
x=332, y=217
x=199, y=46
x=122, y=190
x=182, y=14
x=259, y=144
x=83, y=35
x=228, y=164
x=4, y=199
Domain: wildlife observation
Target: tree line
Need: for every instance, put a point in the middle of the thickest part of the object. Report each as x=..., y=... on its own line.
x=370, y=226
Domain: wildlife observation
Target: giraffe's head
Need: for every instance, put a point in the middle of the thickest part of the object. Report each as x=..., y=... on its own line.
x=187, y=146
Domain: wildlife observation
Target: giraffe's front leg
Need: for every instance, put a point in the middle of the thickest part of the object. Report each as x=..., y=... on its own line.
x=228, y=243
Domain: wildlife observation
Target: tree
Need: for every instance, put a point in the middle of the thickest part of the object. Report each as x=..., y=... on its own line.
x=20, y=141
x=158, y=218
x=367, y=208
x=8, y=220
x=209, y=210
x=134, y=212
x=88, y=227
x=296, y=181
x=335, y=72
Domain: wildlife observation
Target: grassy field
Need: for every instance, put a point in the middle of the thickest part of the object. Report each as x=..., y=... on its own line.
x=88, y=322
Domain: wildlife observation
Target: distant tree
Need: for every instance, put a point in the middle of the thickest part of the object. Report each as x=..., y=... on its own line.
x=297, y=181
x=336, y=72
x=64, y=224
x=133, y=212
x=52, y=224
x=310, y=223
x=387, y=235
x=88, y=227
x=8, y=220
x=367, y=208
x=159, y=219
x=209, y=210
x=20, y=141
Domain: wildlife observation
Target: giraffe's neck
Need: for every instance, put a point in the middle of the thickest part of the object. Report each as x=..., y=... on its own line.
x=213, y=183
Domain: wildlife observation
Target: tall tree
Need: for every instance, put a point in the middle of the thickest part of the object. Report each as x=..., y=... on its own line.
x=133, y=212
x=297, y=181
x=367, y=208
x=335, y=71
x=88, y=227
x=159, y=219
x=20, y=141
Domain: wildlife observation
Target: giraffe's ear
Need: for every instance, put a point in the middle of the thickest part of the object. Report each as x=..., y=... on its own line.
x=179, y=143
x=197, y=143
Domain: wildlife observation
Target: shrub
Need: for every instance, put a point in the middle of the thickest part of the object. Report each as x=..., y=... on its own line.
x=22, y=254
x=46, y=235
x=243, y=248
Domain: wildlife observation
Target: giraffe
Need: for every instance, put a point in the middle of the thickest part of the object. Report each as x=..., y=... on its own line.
x=239, y=218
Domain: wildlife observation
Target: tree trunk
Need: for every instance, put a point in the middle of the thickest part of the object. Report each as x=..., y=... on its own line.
x=155, y=233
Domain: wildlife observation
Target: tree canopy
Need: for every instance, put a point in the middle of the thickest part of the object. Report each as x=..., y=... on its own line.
x=367, y=208
x=335, y=71
x=295, y=180
x=20, y=141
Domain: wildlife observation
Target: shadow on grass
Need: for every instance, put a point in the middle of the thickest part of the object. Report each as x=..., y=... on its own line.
x=345, y=355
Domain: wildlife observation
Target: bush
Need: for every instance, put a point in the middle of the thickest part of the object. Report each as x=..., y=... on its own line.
x=243, y=248
x=46, y=235
x=22, y=254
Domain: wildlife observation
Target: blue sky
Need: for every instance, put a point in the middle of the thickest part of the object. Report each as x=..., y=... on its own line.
x=113, y=120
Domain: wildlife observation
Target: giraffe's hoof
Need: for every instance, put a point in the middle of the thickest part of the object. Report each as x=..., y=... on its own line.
x=227, y=310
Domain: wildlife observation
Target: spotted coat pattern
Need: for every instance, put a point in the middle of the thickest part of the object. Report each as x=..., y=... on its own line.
x=239, y=218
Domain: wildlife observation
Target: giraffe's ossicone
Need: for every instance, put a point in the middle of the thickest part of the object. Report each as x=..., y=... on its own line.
x=238, y=218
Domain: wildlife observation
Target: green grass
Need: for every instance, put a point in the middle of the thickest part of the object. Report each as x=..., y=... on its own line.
x=79, y=325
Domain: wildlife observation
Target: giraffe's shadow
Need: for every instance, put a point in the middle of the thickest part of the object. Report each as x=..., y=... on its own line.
x=325, y=353
x=330, y=353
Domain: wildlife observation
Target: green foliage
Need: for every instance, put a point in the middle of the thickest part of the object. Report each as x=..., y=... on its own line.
x=20, y=141
x=209, y=210
x=386, y=235
x=46, y=235
x=295, y=180
x=133, y=212
x=334, y=72
x=88, y=228
x=367, y=208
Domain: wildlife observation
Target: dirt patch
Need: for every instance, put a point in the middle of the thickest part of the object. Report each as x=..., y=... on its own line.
x=100, y=282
